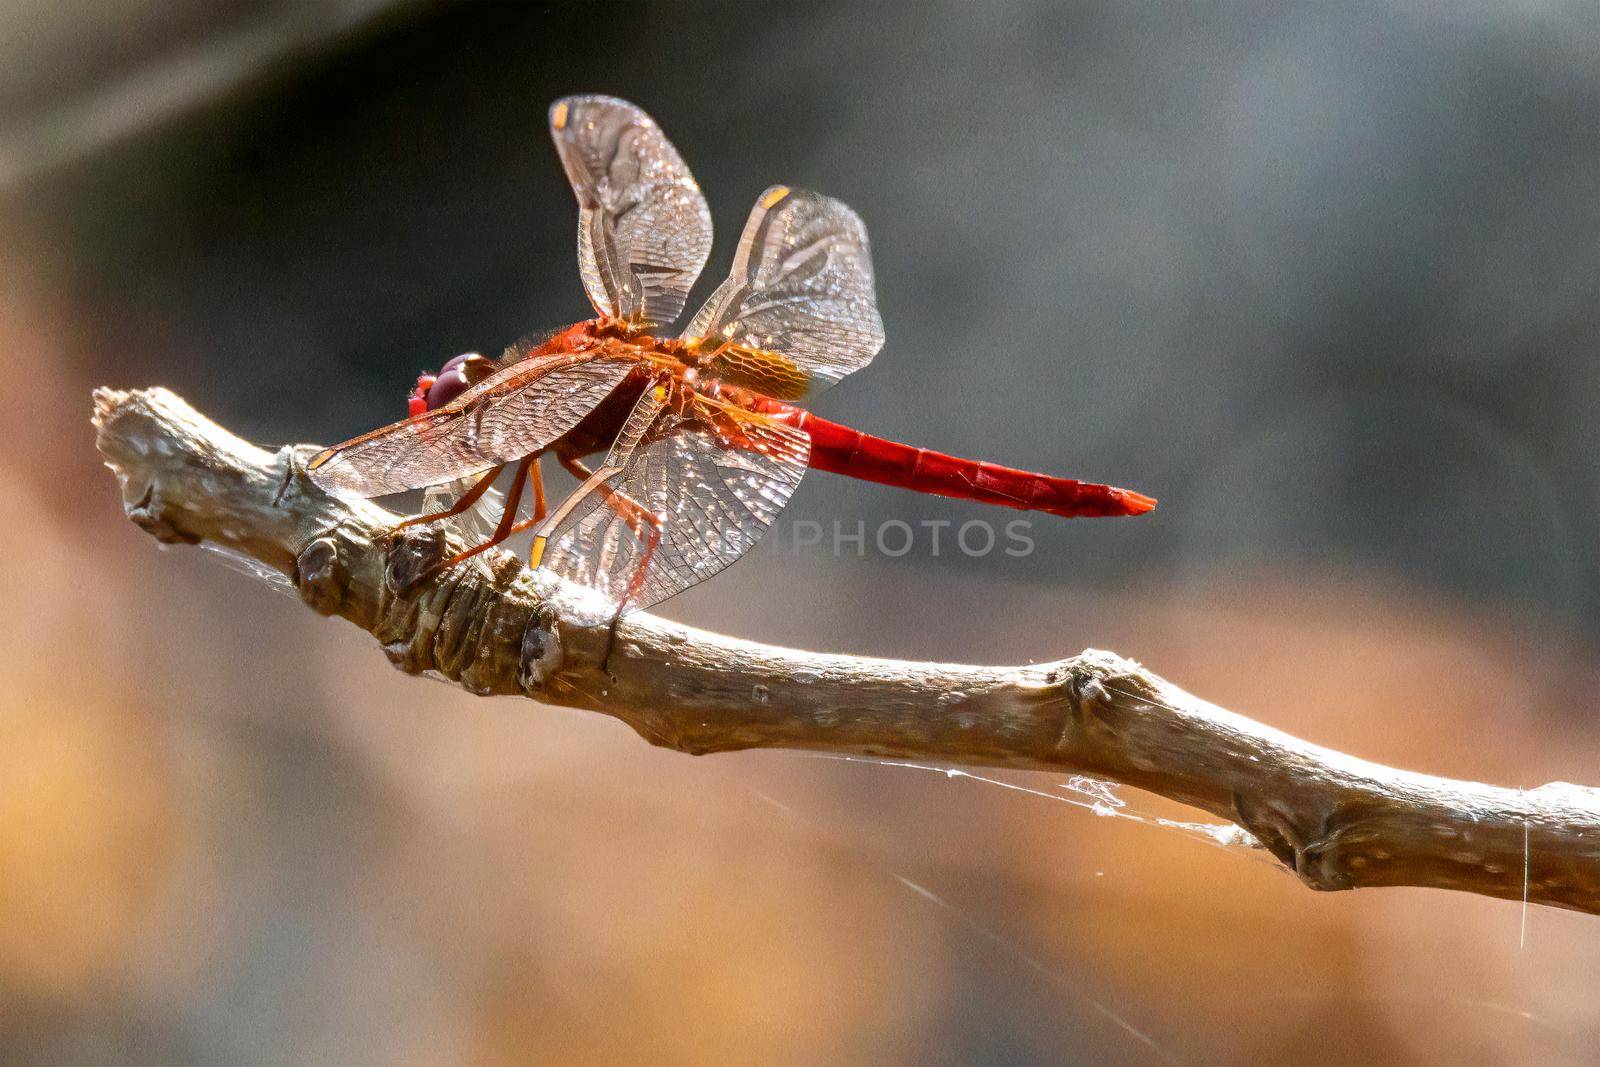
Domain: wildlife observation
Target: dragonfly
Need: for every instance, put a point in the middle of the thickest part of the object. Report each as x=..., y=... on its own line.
x=702, y=437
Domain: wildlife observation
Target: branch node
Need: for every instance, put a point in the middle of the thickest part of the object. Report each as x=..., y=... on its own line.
x=322, y=575
x=1099, y=706
x=409, y=625
x=541, y=653
x=413, y=553
x=291, y=472
x=1313, y=855
x=149, y=515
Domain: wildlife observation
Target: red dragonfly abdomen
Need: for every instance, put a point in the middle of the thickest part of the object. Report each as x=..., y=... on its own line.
x=850, y=452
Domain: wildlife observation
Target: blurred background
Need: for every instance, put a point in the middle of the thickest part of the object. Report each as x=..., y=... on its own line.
x=1323, y=278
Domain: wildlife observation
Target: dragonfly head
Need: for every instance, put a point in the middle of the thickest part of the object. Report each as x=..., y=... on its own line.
x=454, y=378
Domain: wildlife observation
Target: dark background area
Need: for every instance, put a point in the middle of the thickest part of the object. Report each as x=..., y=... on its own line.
x=1320, y=277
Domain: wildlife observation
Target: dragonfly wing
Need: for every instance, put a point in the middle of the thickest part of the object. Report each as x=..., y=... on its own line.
x=513, y=414
x=715, y=477
x=801, y=288
x=477, y=522
x=644, y=230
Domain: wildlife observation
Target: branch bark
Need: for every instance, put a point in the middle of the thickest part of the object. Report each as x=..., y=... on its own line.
x=497, y=628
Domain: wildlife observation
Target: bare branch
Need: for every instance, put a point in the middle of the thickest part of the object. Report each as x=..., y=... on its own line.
x=1338, y=822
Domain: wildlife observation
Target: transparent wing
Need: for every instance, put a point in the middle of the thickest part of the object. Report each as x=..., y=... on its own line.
x=477, y=522
x=643, y=228
x=713, y=478
x=504, y=418
x=801, y=288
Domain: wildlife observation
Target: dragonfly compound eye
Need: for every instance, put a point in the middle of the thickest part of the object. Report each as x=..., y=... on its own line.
x=456, y=377
x=450, y=384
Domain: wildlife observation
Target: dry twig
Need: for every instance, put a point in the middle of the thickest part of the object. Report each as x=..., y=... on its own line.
x=1338, y=822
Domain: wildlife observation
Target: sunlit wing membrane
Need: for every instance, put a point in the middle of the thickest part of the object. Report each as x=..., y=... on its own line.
x=644, y=230
x=800, y=292
x=504, y=418
x=716, y=477
x=477, y=522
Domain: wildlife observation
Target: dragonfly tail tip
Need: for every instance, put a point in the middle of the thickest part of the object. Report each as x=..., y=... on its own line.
x=1136, y=503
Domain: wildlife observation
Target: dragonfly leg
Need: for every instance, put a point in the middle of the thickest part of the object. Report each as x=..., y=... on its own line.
x=508, y=523
x=635, y=583
x=508, y=518
x=552, y=520
x=590, y=482
x=465, y=501
x=574, y=467
x=536, y=479
x=645, y=526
